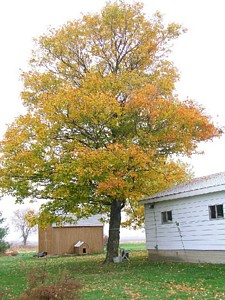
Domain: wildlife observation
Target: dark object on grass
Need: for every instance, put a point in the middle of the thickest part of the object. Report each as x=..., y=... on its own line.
x=124, y=254
x=40, y=254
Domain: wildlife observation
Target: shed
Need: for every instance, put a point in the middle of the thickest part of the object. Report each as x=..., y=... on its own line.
x=57, y=240
x=81, y=248
x=186, y=222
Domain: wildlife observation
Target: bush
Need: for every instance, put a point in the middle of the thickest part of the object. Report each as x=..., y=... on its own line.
x=68, y=290
x=65, y=288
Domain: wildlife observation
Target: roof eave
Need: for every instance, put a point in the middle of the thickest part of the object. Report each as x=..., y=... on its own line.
x=187, y=194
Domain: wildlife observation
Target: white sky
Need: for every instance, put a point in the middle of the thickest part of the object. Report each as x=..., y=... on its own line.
x=199, y=55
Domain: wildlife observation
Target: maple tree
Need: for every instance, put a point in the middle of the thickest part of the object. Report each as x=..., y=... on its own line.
x=102, y=123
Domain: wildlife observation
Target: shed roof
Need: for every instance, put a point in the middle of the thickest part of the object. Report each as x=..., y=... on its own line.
x=196, y=186
x=92, y=221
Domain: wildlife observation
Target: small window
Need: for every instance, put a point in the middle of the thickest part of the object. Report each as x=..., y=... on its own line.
x=167, y=217
x=216, y=211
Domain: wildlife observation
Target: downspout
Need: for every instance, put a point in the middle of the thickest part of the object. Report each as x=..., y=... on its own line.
x=181, y=238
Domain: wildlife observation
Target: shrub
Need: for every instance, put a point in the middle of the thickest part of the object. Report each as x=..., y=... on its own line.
x=68, y=290
x=3, y=232
x=64, y=288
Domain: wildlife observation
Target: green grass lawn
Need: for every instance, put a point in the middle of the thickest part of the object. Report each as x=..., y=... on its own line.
x=134, y=279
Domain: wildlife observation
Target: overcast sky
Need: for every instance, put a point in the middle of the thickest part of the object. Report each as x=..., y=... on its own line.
x=199, y=55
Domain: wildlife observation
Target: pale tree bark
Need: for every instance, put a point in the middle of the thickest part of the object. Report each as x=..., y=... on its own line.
x=25, y=233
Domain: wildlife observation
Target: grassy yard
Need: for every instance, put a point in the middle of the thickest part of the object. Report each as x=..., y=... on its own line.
x=135, y=279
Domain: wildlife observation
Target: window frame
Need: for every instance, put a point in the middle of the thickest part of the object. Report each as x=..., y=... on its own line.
x=167, y=217
x=218, y=216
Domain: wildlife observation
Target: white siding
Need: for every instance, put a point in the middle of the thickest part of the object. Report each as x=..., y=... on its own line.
x=197, y=231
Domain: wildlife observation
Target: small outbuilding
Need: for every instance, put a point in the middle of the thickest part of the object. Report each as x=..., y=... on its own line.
x=81, y=248
x=83, y=237
x=186, y=222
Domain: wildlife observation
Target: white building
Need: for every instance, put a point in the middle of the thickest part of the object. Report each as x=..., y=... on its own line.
x=186, y=222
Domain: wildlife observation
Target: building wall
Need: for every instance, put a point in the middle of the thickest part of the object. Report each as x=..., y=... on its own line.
x=45, y=239
x=61, y=240
x=194, y=256
x=195, y=230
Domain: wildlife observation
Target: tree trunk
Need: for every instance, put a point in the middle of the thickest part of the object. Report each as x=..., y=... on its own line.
x=25, y=240
x=114, y=230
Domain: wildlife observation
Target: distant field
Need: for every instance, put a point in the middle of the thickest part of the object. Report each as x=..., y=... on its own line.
x=22, y=249
x=134, y=279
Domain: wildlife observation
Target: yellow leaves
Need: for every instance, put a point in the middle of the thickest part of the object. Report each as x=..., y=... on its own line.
x=172, y=125
x=118, y=156
x=94, y=103
x=98, y=107
x=44, y=219
x=145, y=101
x=112, y=186
x=115, y=169
x=31, y=217
x=199, y=123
